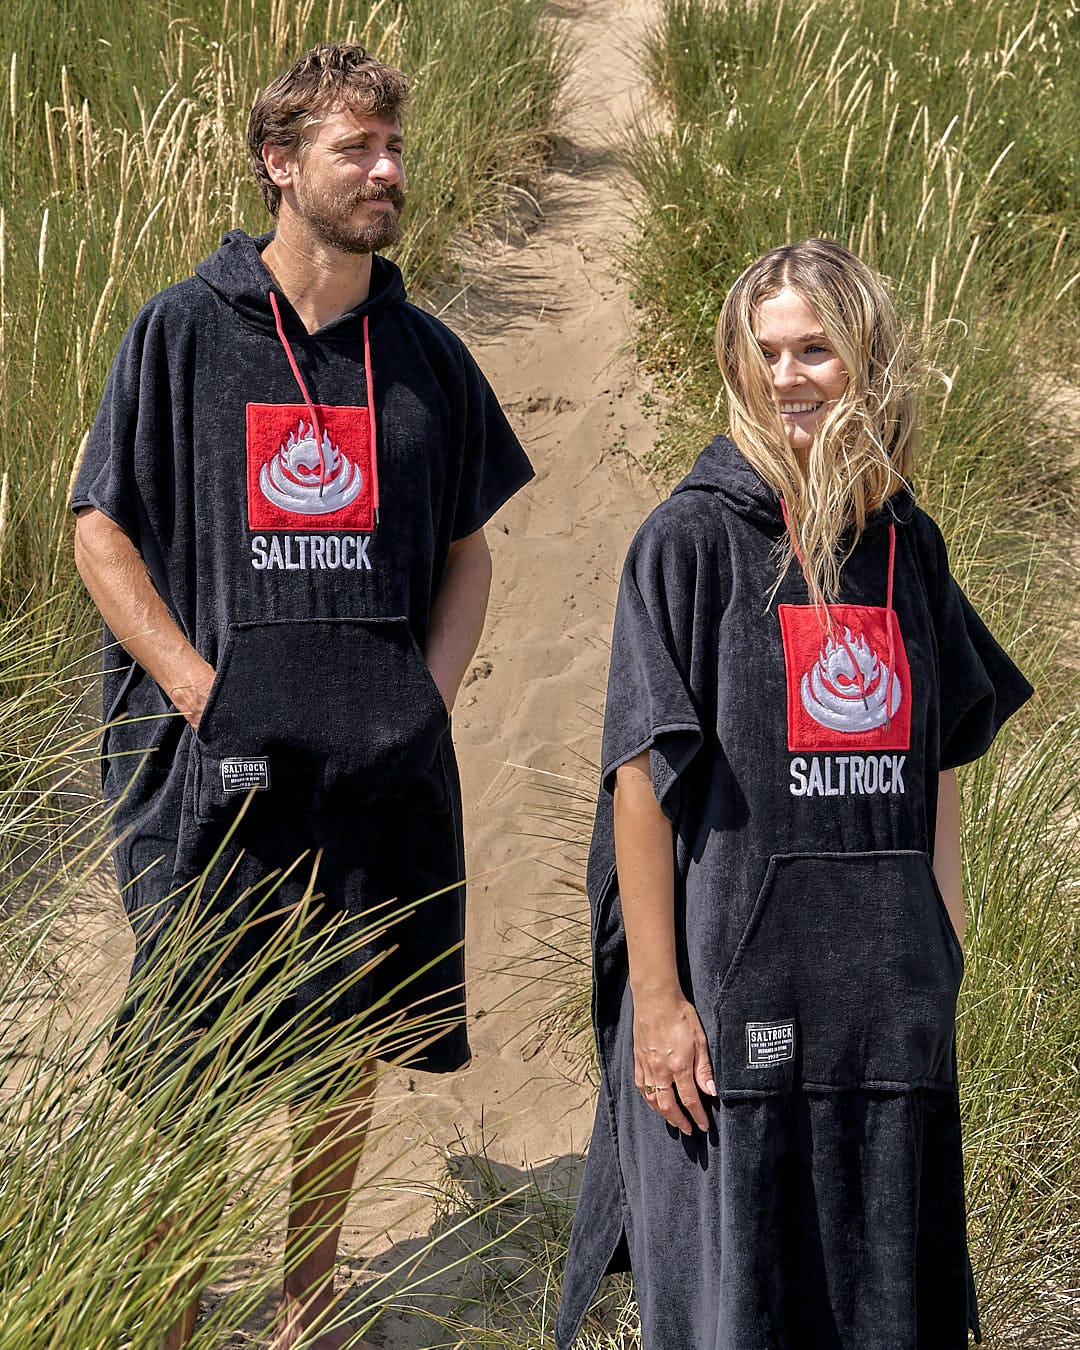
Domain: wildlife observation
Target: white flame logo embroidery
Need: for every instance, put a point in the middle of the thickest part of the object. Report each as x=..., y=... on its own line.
x=849, y=687
x=301, y=479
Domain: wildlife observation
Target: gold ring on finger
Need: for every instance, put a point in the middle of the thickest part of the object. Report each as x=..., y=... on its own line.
x=649, y=1090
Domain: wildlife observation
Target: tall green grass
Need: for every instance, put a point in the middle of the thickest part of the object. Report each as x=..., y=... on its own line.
x=123, y=160
x=942, y=144
x=107, y=1208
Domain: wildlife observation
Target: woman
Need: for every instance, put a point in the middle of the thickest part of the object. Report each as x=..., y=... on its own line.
x=775, y=869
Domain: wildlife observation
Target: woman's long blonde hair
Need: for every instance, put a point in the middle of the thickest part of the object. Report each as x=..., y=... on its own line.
x=865, y=447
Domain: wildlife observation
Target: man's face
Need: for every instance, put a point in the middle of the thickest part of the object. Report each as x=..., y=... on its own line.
x=349, y=182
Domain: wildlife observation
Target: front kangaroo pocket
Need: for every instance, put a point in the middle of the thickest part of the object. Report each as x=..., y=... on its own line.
x=846, y=976
x=301, y=708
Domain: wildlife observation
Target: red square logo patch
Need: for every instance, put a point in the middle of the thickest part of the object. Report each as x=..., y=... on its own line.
x=315, y=477
x=848, y=687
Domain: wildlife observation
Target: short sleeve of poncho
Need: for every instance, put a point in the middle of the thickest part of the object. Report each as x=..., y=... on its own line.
x=118, y=475
x=132, y=470
x=661, y=616
x=979, y=685
x=494, y=465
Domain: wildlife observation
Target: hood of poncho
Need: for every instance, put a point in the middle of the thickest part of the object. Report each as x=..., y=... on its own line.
x=237, y=273
x=722, y=468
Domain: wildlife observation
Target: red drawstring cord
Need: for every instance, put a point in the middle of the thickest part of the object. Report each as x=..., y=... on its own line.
x=314, y=416
x=371, y=422
x=888, y=614
x=303, y=389
x=889, y=624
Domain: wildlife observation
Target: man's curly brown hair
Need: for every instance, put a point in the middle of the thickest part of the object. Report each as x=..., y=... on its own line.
x=331, y=75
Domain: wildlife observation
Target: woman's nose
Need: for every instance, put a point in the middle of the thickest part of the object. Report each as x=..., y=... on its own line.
x=786, y=371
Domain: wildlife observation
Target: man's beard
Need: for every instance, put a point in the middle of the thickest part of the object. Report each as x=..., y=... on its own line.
x=331, y=219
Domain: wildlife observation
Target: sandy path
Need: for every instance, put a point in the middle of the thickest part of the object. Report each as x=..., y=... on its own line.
x=549, y=321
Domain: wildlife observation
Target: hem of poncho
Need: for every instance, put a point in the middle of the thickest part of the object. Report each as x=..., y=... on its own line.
x=565, y=1337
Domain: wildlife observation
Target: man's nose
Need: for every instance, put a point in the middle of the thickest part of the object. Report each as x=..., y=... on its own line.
x=386, y=168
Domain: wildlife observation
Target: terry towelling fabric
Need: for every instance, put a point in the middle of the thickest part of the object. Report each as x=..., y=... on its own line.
x=295, y=497
x=798, y=763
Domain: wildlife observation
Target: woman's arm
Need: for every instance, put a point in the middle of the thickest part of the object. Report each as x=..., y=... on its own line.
x=669, y=1044
x=948, y=868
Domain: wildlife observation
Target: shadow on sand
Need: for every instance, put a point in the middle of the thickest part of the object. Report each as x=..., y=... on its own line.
x=491, y=1258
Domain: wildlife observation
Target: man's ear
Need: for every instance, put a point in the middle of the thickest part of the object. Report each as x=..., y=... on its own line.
x=280, y=165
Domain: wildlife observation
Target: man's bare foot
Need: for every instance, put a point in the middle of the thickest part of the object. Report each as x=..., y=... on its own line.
x=299, y=1322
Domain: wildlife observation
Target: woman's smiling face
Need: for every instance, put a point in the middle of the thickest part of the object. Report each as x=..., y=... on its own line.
x=808, y=377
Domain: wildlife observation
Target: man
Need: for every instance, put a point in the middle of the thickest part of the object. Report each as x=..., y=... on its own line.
x=280, y=518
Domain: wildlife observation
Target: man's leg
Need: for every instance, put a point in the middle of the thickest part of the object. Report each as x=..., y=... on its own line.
x=326, y=1160
x=181, y=1332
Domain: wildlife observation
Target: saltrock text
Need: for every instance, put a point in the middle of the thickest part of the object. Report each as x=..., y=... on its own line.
x=846, y=775
x=311, y=552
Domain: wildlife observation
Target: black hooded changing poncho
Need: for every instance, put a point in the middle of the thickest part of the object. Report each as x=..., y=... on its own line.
x=798, y=764
x=294, y=498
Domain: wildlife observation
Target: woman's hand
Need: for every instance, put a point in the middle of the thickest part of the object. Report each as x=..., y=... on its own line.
x=672, y=1069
